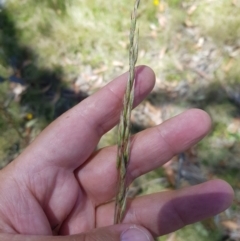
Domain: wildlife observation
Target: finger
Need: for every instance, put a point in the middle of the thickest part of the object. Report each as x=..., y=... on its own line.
x=150, y=149
x=69, y=140
x=121, y=232
x=166, y=212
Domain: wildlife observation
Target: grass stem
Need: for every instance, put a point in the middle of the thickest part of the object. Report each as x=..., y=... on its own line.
x=123, y=154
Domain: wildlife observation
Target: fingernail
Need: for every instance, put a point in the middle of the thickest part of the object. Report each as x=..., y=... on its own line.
x=135, y=234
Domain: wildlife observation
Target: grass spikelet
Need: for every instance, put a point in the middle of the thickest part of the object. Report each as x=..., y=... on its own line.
x=123, y=153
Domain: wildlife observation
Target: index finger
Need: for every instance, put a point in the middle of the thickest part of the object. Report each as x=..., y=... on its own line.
x=71, y=139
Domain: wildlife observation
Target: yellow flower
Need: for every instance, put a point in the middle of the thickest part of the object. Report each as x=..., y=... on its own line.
x=29, y=116
x=156, y=2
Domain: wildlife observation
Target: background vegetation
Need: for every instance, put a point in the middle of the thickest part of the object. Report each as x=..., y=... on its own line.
x=54, y=53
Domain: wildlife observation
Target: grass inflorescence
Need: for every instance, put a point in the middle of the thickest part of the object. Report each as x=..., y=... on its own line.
x=123, y=154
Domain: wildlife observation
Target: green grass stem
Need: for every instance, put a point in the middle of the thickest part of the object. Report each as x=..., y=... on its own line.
x=123, y=154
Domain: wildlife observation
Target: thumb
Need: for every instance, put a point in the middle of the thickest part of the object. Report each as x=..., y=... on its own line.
x=121, y=232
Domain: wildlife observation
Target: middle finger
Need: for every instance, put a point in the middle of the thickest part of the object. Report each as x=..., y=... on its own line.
x=150, y=149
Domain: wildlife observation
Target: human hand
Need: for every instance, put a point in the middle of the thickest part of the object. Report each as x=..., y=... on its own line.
x=61, y=183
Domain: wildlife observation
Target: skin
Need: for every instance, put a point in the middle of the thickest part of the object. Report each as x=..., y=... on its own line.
x=61, y=183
